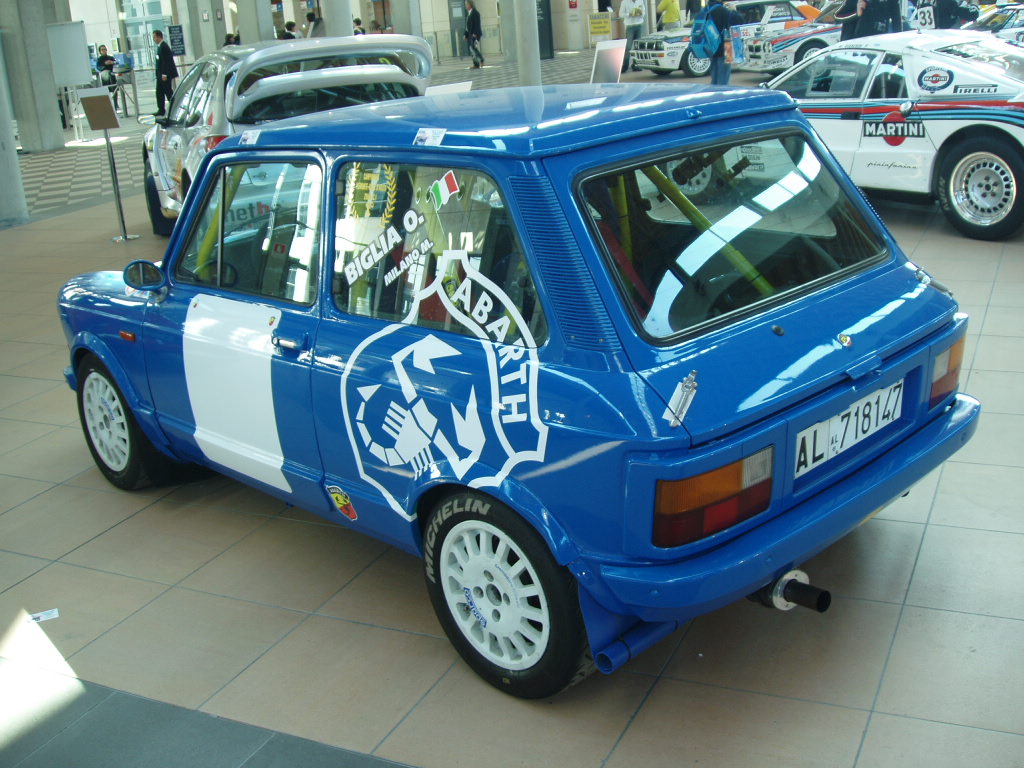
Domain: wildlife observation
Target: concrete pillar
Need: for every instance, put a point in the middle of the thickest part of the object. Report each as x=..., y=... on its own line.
x=527, y=43
x=57, y=11
x=13, y=208
x=255, y=21
x=30, y=75
x=406, y=17
x=508, y=34
x=188, y=14
x=338, y=16
x=569, y=26
x=218, y=24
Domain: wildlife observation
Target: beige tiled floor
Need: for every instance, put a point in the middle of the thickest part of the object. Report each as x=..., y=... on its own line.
x=221, y=599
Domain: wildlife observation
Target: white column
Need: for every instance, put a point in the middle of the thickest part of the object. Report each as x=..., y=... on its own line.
x=13, y=208
x=30, y=75
x=337, y=17
x=255, y=21
x=527, y=43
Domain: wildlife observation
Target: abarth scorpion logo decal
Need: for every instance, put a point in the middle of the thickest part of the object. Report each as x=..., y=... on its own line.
x=483, y=429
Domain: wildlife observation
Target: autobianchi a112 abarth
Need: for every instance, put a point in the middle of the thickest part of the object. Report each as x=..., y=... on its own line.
x=499, y=330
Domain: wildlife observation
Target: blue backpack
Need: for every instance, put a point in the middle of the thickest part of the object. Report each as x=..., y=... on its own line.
x=705, y=37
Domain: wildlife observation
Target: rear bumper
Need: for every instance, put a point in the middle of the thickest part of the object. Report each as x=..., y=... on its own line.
x=684, y=589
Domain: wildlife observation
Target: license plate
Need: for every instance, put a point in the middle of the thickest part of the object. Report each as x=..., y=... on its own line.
x=829, y=438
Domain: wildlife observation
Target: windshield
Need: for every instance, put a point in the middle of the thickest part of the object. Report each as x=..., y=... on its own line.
x=996, y=53
x=992, y=21
x=305, y=102
x=708, y=233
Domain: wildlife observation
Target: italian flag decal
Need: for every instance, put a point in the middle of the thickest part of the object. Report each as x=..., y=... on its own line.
x=442, y=190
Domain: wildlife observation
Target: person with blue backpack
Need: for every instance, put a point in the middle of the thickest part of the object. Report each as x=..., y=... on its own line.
x=711, y=38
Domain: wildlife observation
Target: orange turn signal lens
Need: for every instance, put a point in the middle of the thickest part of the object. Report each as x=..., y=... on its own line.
x=700, y=506
x=946, y=373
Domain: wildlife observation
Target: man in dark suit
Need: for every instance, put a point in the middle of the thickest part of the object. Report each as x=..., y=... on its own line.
x=473, y=33
x=166, y=72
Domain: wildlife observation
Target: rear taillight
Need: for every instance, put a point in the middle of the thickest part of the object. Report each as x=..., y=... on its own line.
x=209, y=142
x=697, y=507
x=946, y=373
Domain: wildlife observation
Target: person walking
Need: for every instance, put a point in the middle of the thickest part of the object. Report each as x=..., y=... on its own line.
x=314, y=25
x=473, y=33
x=632, y=13
x=669, y=10
x=166, y=72
x=721, y=60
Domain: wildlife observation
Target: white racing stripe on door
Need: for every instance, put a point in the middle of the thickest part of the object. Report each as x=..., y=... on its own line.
x=227, y=352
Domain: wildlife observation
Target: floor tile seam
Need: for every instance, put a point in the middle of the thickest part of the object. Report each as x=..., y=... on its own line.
x=46, y=564
x=415, y=706
x=955, y=460
x=767, y=694
x=112, y=692
x=253, y=661
x=978, y=728
x=352, y=580
x=52, y=428
x=974, y=528
x=49, y=213
x=270, y=737
x=636, y=712
x=896, y=627
x=973, y=614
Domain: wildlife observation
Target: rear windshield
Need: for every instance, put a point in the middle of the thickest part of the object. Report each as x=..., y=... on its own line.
x=321, y=62
x=705, y=234
x=995, y=53
x=306, y=102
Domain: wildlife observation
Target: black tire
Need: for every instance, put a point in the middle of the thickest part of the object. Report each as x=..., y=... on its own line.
x=978, y=187
x=693, y=66
x=522, y=634
x=807, y=49
x=160, y=223
x=120, y=449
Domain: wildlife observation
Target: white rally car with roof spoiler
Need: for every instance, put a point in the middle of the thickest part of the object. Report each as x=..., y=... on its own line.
x=937, y=112
x=237, y=87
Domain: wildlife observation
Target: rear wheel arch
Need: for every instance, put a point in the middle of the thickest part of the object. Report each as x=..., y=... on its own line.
x=520, y=501
x=960, y=136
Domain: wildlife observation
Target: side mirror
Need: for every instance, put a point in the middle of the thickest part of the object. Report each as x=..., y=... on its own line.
x=192, y=119
x=164, y=122
x=144, y=276
x=906, y=108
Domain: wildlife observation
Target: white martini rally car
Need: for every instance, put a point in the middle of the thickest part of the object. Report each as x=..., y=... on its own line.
x=936, y=112
x=665, y=52
x=775, y=51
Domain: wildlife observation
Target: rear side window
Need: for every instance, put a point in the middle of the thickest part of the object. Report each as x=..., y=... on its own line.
x=434, y=247
x=705, y=234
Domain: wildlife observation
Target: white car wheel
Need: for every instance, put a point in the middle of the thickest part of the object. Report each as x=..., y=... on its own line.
x=695, y=66
x=106, y=421
x=494, y=594
x=979, y=188
x=511, y=611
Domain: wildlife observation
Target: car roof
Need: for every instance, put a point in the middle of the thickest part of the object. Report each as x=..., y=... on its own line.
x=919, y=40
x=520, y=122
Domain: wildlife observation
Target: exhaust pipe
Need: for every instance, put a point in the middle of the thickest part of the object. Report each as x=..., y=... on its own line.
x=791, y=590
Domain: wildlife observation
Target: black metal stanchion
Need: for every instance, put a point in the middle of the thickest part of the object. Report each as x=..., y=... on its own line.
x=99, y=110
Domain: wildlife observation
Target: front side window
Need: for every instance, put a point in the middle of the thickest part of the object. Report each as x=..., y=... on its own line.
x=434, y=247
x=704, y=234
x=836, y=75
x=890, y=80
x=259, y=232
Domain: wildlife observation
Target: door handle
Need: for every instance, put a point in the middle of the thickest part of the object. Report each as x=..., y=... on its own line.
x=283, y=342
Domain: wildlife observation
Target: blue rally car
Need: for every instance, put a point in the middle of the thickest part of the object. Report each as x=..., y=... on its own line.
x=606, y=357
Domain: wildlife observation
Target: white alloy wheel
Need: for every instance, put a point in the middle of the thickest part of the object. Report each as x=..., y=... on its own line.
x=982, y=188
x=106, y=421
x=495, y=595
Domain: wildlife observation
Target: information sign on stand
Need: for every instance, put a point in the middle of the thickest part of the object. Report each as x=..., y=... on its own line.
x=99, y=111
